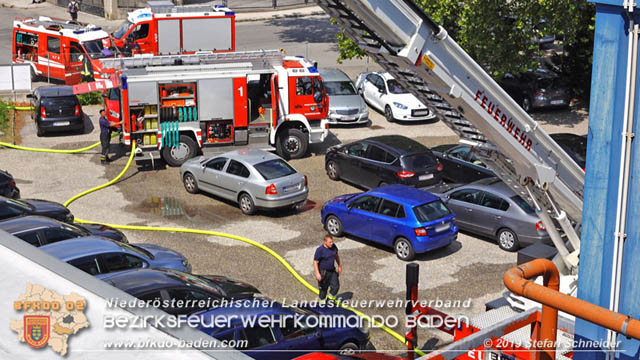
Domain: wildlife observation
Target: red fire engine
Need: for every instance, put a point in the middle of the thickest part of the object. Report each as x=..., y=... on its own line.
x=60, y=49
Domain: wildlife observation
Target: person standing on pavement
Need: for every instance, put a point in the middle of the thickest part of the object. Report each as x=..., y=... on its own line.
x=105, y=136
x=323, y=262
x=73, y=9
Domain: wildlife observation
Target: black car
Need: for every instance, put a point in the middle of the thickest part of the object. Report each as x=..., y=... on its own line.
x=574, y=145
x=180, y=293
x=460, y=164
x=10, y=208
x=536, y=89
x=8, y=186
x=380, y=160
x=56, y=109
x=39, y=230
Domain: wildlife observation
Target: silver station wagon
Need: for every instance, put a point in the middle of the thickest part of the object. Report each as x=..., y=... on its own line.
x=253, y=178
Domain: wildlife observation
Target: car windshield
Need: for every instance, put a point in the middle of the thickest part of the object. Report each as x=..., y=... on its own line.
x=394, y=87
x=59, y=101
x=193, y=280
x=76, y=229
x=419, y=161
x=96, y=49
x=431, y=211
x=126, y=25
x=523, y=204
x=340, y=88
x=136, y=249
x=20, y=204
x=274, y=169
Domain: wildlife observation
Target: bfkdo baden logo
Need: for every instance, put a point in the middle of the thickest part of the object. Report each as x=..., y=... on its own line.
x=49, y=318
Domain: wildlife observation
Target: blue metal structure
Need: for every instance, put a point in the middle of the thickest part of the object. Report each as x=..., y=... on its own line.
x=611, y=59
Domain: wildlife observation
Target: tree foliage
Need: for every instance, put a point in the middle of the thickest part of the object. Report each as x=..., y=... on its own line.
x=499, y=35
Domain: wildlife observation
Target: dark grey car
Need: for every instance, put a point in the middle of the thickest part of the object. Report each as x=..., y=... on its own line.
x=253, y=178
x=56, y=109
x=489, y=207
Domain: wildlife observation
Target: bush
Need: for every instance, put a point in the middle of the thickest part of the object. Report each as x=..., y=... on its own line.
x=91, y=98
x=4, y=114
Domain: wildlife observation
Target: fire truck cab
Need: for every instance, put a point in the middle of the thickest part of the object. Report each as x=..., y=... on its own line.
x=178, y=106
x=164, y=28
x=60, y=49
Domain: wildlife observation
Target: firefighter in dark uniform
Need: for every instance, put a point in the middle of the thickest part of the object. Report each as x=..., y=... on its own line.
x=106, y=128
x=325, y=271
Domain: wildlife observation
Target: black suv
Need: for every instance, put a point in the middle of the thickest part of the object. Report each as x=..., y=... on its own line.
x=8, y=186
x=56, y=109
x=380, y=160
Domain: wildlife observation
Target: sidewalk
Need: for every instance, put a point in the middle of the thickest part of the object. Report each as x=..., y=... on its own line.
x=251, y=14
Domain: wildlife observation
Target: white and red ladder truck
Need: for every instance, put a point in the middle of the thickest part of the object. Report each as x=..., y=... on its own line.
x=417, y=52
x=177, y=106
x=163, y=28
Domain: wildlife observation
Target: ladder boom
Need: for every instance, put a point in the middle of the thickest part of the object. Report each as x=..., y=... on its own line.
x=404, y=41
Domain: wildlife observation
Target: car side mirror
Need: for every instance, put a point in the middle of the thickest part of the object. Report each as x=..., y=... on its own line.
x=350, y=206
x=30, y=96
x=104, y=95
x=381, y=91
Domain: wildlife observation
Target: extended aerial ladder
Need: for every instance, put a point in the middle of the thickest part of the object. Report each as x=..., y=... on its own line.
x=404, y=41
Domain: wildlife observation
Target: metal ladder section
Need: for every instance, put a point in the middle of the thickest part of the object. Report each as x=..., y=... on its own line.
x=264, y=58
x=416, y=51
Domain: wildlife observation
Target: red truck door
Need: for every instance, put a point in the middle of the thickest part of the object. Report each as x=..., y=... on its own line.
x=144, y=38
x=240, y=102
x=54, y=64
x=301, y=99
x=112, y=104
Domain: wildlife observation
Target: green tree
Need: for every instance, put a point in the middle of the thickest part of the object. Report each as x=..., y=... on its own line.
x=498, y=35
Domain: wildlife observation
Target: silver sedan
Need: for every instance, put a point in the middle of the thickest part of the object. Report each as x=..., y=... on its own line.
x=254, y=179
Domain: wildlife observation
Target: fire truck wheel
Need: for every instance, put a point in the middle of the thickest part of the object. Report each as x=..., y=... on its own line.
x=246, y=204
x=292, y=144
x=190, y=183
x=176, y=156
x=508, y=240
x=404, y=249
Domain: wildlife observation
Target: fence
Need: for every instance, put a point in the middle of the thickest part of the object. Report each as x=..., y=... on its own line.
x=235, y=5
x=95, y=7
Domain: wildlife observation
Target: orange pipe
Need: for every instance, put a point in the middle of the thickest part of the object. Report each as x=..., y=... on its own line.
x=516, y=280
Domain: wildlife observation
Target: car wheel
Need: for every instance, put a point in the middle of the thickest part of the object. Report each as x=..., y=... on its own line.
x=333, y=225
x=333, y=171
x=388, y=114
x=348, y=348
x=508, y=240
x=246, y=204
x=190, y=183
x=176, y=156
x=404, y=249
x=292, y=144
x=526, y=104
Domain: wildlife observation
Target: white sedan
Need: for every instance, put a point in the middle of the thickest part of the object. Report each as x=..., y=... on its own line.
x=382, y=92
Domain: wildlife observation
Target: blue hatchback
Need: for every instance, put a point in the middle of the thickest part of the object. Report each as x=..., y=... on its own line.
x=408, y=219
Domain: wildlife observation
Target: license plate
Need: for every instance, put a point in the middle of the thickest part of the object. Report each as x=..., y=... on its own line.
x=425, y=177
x=442, y=227
x=290, y=188
x=61, y=123
x=347, y=118
x=557, y=102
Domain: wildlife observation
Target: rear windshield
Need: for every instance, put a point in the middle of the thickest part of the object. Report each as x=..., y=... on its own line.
x=274, y=169
x=340, y=88
x=431, y=211
x=419, y=161
x=59, y=101
x=523, y=204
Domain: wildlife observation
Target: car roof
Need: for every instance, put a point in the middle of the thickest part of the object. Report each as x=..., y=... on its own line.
x=250, y=156
x=493, y=184
x=82, y=246
x=404, y=194
x=333, y=75
x=23, y=223
x=55, y=91
x=143, y=280
x=399, y=143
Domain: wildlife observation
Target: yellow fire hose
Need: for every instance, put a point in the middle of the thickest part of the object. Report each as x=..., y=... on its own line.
x=72, y=151
x=214, y=233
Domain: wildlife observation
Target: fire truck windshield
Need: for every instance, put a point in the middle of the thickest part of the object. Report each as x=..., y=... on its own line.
x=96, y=49
x=123, y=29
